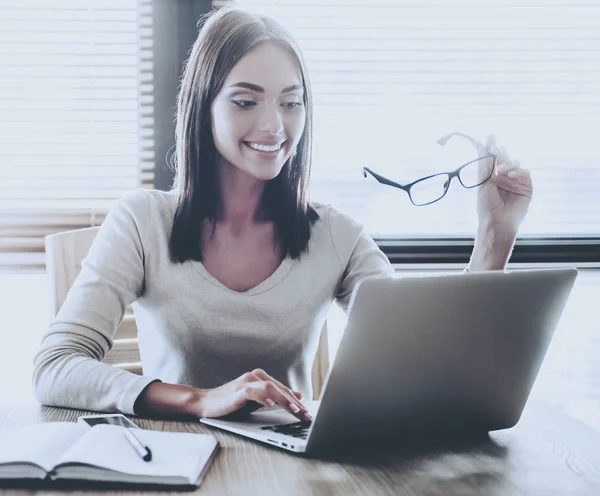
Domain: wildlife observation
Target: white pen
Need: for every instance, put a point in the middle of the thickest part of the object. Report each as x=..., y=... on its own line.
x=141, y=449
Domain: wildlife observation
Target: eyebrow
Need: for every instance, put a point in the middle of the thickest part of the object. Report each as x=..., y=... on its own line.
x=260, y=89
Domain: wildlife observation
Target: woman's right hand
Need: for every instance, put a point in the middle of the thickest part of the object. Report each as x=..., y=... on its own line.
x=250, y=392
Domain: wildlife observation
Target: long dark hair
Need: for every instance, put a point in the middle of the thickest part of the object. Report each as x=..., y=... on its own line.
x=226, y=36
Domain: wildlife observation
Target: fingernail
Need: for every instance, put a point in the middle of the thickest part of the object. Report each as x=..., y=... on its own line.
x=270, y=402
x=512, y=173
x=294, y=408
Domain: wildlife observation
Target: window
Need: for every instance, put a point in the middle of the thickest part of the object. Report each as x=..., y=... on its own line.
x=76, y=95
x=390, y=77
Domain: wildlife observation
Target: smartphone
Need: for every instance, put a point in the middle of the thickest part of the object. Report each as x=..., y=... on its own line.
x=107, y=418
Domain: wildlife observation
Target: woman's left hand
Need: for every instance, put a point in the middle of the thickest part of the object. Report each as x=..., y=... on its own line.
x=504, y=200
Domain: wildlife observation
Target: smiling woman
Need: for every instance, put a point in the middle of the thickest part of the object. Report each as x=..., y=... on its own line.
x=232, y=273
x=251, y=124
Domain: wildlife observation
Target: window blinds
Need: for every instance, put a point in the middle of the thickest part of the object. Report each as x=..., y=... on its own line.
x=76, y=116
x=390, y=77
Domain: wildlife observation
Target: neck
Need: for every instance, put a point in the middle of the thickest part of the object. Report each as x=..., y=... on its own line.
x=241, y=196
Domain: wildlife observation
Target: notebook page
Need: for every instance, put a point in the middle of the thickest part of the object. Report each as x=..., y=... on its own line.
x=42, y=444
x=173, y=453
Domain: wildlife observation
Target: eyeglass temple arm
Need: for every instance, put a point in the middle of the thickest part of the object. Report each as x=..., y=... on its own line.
x=381, y=179
x=444, y=139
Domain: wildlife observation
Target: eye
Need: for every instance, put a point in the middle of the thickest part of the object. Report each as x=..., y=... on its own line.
x=244, y=104
x=291, y=105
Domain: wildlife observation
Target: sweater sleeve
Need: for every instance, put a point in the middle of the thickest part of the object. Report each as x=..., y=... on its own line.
x=358, y=255
x=67, y=368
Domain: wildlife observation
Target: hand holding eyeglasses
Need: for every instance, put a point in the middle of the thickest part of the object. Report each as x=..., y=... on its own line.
x=505, y=189
x=504, y=200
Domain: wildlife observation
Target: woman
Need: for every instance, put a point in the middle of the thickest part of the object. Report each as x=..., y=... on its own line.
x=232, y=273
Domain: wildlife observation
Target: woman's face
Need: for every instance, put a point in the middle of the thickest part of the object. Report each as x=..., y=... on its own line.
x=258, y=116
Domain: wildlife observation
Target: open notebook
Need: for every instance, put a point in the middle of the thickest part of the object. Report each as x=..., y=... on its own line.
x=69, y=451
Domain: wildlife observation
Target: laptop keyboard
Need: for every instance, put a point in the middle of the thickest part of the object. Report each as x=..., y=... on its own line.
x=295, y=429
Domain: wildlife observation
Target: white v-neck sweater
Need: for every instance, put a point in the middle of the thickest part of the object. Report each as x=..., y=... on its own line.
x=192, y=329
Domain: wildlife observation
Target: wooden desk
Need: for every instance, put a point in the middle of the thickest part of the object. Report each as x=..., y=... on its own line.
x=547, y=453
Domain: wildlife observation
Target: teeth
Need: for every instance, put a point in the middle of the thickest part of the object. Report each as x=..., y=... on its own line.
x=265, y=148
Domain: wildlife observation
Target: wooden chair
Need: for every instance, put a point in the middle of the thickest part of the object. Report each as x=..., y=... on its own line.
x=64, y=253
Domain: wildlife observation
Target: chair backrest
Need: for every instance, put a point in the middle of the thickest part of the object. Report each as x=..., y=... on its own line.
x=64, y=253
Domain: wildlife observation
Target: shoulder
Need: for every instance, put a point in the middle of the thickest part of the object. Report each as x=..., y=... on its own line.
x=142, y=198
x=142, y=213
x=343, y=231
x=147, y=204
x=336, y=220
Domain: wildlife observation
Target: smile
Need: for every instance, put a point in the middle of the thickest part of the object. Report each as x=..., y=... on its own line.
x=264, y=148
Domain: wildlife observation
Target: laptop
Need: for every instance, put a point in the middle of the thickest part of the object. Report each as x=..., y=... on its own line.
x=425, y=355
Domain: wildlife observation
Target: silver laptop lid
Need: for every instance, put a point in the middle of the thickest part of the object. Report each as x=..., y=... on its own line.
x=454, y=349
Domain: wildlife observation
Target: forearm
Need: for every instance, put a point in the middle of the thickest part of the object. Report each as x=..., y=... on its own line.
x=492, y=249
x=159, y=398
x=67, y=372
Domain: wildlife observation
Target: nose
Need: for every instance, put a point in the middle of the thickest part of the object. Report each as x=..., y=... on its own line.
x=270, y=120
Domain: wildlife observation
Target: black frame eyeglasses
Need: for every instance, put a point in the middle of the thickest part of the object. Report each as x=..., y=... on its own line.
x=470, y=175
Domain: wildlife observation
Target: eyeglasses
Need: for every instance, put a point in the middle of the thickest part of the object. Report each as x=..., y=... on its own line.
x=431, y=189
